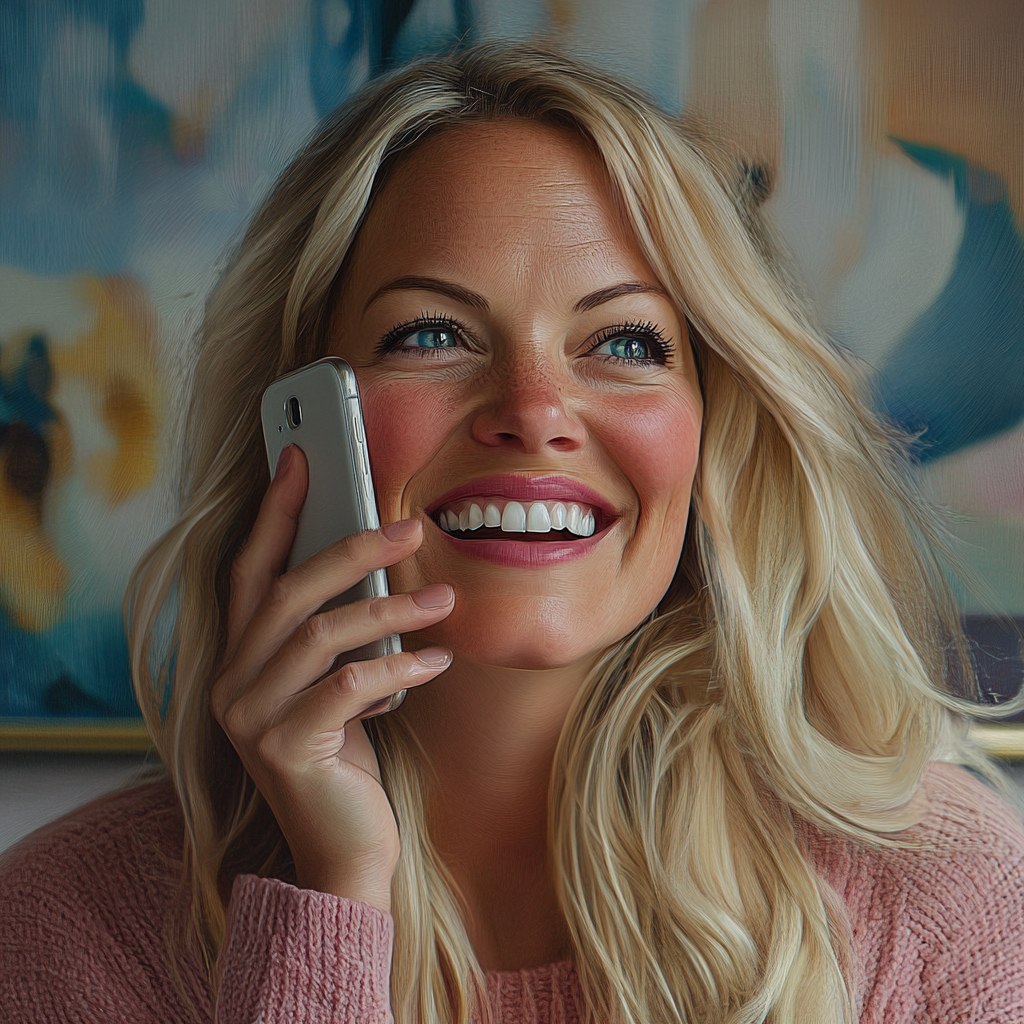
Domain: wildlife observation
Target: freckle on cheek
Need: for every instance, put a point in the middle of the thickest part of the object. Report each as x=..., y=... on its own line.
x=659, y=448
x=404, y=426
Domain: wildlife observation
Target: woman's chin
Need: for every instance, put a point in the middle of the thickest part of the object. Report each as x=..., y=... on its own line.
x=534, y=649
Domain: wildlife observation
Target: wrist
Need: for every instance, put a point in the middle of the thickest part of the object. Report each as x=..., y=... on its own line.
x=374, y=891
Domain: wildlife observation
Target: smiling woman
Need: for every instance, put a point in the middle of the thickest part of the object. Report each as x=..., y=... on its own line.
x=496, y=376
x=684, y=675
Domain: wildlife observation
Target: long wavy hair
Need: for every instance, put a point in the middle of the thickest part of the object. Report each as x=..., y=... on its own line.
x=804, y=666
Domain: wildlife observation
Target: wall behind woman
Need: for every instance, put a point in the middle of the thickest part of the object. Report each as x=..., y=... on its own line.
x=883, y=136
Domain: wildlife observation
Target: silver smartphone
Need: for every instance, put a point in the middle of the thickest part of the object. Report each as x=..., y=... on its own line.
x=317, y=407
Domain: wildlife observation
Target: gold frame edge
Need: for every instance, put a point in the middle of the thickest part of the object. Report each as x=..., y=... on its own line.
x=104, y=736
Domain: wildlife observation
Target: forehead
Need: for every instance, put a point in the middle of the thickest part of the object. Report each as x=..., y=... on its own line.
x=516, y=195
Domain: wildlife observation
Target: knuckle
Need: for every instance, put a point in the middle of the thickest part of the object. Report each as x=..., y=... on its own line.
x=269, y=747
x=400, y=666
x=349, y=678
x=239, y=569
x=359, y=549
x=313, y=633
x=281, y=594
x=233, y=720
x=346, y=549
x=390, y=671
x=379, y=609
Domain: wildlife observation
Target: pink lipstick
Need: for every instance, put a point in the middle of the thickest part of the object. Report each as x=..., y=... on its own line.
x=555, y=540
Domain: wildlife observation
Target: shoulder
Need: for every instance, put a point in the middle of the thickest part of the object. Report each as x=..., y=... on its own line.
x=938, y=925
x=963, y=880
x=968, y=836
x=124, y=835
x=966, y=814
x=89, y=896
x=969, y=843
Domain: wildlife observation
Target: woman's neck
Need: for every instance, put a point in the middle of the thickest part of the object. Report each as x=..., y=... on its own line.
x=490, y=735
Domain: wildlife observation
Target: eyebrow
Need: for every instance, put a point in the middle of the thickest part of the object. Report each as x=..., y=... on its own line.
x=472, y=299
x=607, y=294
x=431, y=284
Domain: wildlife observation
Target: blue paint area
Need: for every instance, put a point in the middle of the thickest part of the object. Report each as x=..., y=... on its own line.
x=29, y=27
x=77, y=669
x=343, y=55
x=357, y=39
x=957, y=377
x=434, y=29
x=82, y=142
x=88, y=164
x=25, y=417
x=78, y=134
x=25, y=390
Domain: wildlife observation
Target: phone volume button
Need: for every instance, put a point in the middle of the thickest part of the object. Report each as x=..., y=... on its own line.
x=357, y=426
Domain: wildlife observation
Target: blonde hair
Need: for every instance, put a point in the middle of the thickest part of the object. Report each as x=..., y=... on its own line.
x=802, y=669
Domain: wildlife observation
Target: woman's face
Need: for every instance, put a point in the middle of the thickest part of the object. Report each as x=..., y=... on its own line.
x=516, y=353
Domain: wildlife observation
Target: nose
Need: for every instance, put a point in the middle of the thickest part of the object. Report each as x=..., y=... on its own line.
x=526, y=409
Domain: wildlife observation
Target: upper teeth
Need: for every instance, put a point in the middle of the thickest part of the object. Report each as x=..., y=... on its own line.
x=539, y=517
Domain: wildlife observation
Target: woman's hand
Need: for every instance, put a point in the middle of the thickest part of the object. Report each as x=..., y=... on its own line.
x=298, y=734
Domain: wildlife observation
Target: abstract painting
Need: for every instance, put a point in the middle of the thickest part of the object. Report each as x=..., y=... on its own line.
x=884, y=138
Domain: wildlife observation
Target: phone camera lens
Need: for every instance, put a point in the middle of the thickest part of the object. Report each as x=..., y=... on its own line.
x=294, y=412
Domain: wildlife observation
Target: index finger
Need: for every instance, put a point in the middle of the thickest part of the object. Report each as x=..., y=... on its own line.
x=296, y=595
x=263, y=556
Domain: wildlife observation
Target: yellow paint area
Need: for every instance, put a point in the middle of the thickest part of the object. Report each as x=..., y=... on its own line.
x=33, y=577
x=115, y=358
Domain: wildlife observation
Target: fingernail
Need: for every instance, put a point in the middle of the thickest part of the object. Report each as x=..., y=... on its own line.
x=429, y=598
x=435, y=657
x=402, y=530
x=285, y=459
x=376, y=707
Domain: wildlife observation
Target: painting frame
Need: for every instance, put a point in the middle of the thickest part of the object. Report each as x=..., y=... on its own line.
x=130, y=736
x=74, y=736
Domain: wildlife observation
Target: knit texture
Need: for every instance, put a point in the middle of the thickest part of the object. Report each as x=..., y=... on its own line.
x=938, y=933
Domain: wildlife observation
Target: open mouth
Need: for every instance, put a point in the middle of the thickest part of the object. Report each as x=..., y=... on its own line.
x=504, y=519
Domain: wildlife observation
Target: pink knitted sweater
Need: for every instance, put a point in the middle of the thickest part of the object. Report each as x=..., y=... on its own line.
x=939, y=936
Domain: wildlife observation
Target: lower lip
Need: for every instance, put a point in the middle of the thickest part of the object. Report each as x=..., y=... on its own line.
x=526, y=554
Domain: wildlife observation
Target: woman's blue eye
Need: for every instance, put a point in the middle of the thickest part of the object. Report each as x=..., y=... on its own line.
x=629, y=348
x=424, y=336
x=633, y=344
x=431, y=337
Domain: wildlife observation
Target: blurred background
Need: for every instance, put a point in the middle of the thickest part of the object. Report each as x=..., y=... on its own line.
x=885, y=138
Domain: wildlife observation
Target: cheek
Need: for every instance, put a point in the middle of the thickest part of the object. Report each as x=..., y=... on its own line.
x=406, y=423
x=657, y=444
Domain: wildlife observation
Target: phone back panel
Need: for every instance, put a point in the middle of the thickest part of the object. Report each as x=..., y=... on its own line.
x=340, y=499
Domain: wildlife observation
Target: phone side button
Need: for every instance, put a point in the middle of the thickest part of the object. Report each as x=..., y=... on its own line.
x=357, y=424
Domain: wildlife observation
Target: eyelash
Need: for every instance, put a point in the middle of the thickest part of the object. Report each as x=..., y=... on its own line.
x=645, y=331
x=391, y=341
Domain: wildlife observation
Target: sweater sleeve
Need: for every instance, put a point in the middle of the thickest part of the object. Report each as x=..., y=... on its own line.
x=294, y=956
